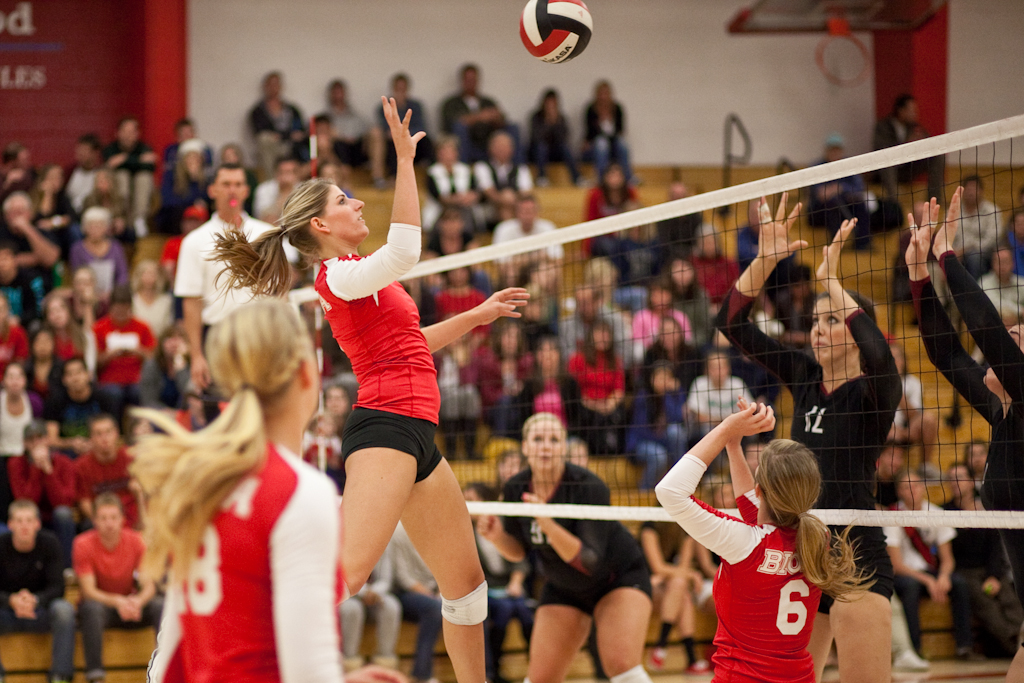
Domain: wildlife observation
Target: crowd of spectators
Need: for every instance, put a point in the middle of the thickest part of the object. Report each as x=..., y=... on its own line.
x=629, y=362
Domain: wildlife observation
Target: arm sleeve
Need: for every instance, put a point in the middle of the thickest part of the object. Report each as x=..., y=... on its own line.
x=726, y=536
x=947, y=353
x=986, y=326
x=303, y=564
x=351, y=280
x=877, y=361
x=734, y=322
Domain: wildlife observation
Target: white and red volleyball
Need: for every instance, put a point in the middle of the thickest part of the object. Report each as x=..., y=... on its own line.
x=555, y=31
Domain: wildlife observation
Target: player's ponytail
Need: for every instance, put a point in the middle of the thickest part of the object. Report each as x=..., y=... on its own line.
x=262, y=266
x=254, y=355
x=790, y=482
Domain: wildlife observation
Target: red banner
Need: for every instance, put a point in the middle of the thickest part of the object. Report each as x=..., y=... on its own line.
x=68, y=67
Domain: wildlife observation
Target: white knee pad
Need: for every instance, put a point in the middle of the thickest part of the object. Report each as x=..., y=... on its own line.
x=635, y=675
x=468, y=610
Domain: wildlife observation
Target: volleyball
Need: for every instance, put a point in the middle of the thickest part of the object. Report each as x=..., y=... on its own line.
x=555, y=31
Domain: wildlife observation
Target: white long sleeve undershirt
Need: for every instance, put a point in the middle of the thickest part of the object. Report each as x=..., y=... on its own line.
x=351, y=280
x=726, y=536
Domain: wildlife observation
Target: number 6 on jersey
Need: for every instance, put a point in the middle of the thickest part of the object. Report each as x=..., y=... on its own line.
x=792, y=613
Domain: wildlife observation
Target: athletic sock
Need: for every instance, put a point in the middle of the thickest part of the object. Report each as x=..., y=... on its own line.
x=688, y=646
x=666, y=628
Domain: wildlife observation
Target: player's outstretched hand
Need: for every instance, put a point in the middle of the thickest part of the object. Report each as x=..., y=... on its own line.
x=921, y=241
x=946, y=235
x=502, y=304
x=773, y=243
x=829, y=268
x=371, y=673
x=405, y=144
x=751, y=419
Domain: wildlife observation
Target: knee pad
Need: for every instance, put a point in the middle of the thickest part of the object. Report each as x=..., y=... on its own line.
x=635, y=675
x=468, y=610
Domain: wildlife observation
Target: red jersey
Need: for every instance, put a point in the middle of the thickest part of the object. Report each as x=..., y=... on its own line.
x=133, y=335
x=765, y=606
x=93, y=478
x=597, y=382
x=260, y=602
x=381, y=336
x=450, y=304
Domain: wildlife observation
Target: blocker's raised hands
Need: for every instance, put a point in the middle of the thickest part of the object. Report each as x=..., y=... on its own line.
x=921, y=240
x=829, y=266
x=773, y=243
x=946, y=235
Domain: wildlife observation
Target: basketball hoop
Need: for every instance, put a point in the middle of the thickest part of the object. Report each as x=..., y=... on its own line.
x=839, y=33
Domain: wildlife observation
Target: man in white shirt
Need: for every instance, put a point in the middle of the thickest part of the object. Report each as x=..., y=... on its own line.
x=1005, y=289
x=205, y=301
x=271, y=194
x=500, y=178
x=527, y=222
x=980, y=227
x=922, y=559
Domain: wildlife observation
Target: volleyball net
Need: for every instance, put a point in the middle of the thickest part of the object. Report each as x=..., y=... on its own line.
x=618, y=339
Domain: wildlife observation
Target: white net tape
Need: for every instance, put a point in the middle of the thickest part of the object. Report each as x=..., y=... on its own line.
x=988, y=519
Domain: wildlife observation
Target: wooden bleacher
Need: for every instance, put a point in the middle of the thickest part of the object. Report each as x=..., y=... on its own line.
x=26, y=656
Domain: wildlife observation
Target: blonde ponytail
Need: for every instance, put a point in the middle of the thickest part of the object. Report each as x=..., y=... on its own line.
x=790, y=483
x=254, y=355
x=262, y=266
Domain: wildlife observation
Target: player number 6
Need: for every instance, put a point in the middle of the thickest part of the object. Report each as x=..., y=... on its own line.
x=790, y=608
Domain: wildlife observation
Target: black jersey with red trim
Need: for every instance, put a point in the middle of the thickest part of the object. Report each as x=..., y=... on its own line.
x=846, y=428
x=608, y=547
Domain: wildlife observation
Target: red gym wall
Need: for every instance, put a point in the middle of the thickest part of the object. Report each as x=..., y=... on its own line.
x=915, y=62
x=69, y=67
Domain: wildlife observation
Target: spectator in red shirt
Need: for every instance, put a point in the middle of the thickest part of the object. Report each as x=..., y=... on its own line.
x=107, y=560
x=459, y=296
x=13, y=339
x=47, y=478
x=602, y=381
x=123, y=344
x=104, y=469
x=716, y=272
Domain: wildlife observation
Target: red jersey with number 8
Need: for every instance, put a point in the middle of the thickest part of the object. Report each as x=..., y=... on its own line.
x=260, y=602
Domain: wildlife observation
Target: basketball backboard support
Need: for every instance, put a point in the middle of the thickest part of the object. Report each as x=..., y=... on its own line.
x=788, y=16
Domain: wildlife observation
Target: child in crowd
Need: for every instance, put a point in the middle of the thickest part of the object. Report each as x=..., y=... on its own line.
x=712, y=396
